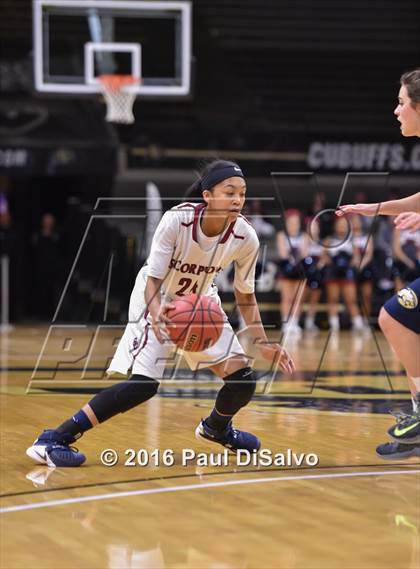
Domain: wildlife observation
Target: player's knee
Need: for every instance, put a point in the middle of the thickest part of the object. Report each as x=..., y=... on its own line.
x=123, y=396
x=136, y=390
x=242, y=385
x=384, y=320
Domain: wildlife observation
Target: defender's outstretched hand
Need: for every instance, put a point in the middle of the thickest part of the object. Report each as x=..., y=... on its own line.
x=369, y=209
x=408, y=220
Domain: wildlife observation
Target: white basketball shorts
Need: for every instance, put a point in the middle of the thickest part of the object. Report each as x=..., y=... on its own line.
x=140, y=350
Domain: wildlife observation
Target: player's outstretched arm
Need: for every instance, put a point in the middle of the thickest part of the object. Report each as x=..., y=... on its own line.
x=392, y=207
x=369, y=209
x=247, y=304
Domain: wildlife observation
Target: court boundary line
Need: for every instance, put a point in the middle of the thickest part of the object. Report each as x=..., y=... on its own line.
x=205, y=486
x=206, y=474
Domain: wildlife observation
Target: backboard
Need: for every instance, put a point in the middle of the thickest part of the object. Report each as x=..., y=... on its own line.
x=75, y=41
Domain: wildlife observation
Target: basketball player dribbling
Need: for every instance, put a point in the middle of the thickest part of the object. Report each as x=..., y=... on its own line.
x=399, y=318
x=191, y=245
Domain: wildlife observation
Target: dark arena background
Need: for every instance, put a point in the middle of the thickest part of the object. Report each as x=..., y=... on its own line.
x=301, y=94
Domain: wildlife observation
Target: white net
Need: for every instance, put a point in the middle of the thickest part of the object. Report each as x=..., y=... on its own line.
x=119, y=97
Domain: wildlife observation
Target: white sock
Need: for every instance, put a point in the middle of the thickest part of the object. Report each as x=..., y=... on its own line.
x=334, y=322
x=415, y=400
x=310, y=320
x=358, y=321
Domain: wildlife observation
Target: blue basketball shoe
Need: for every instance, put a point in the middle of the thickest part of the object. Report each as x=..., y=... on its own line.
x=390, y=451
x=54, y=449
x=231, y=438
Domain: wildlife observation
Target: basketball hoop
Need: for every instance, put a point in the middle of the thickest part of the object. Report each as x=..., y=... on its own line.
x=119, y=97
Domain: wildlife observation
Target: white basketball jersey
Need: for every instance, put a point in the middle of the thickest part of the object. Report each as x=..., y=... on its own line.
x=294, y=246
x=315, y=249
x=344, y=247
x=410, y=243
x=188, y=261
x=360, y=242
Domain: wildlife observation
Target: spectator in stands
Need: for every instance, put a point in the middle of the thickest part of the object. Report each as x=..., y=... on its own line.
x=264, y=229
x=324, y=215
x=363, y=242
x=366, y=222
x=292, y=249
x=383, y=259
x=406, y=249
x=312, y=265
x=12, y=251
x=341, y=259
x=47, y=261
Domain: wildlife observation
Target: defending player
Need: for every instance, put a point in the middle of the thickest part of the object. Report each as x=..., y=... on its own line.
x=191, y=245
x=399, y=318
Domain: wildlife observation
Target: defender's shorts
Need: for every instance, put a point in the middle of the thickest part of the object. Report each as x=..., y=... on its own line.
x=405, y=306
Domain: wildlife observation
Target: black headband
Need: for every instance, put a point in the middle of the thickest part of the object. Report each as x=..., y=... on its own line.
x=216, y=176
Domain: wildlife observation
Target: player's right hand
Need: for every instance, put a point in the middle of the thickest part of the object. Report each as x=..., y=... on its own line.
x=160, y=321
x=369, y=209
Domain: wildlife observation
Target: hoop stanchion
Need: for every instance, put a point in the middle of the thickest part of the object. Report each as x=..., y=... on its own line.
x=119, y=97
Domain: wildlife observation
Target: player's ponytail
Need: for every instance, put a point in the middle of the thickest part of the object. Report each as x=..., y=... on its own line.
x=206, y=172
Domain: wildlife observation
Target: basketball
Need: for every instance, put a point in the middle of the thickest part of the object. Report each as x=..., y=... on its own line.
x=197, y=323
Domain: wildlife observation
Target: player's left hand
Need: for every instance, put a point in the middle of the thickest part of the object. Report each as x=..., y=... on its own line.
x=276, y=354
x=408, y=220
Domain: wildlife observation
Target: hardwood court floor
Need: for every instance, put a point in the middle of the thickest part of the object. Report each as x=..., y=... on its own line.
x=353, y=510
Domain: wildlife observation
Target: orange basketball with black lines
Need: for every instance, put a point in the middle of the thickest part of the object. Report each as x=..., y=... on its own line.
x=196, y=322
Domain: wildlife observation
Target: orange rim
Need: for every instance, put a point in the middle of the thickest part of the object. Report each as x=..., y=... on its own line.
x=116, y=82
